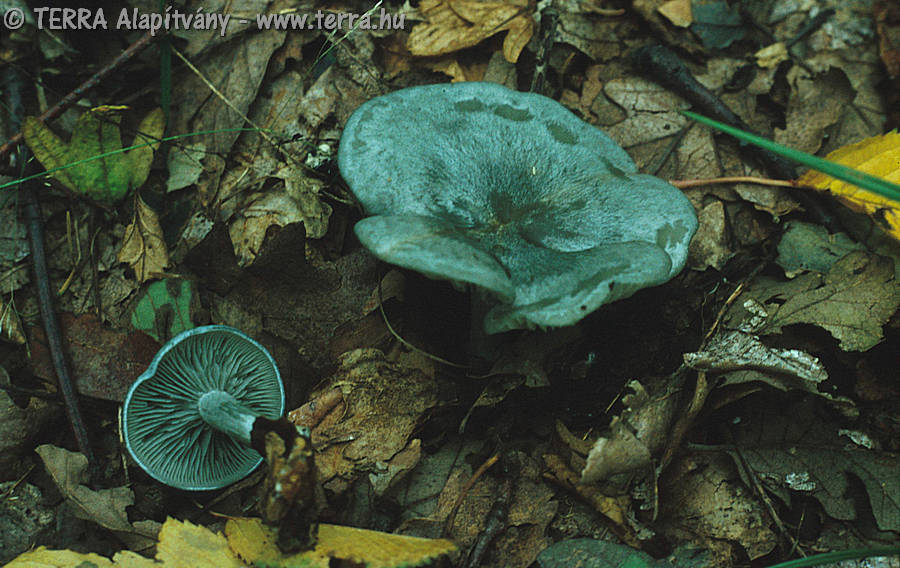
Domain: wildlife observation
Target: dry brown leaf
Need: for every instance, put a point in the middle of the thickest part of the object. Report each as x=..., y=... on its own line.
x=144, y=247
x=297, y=202
x=636, y=434
x=818, y=105
x=381, y=407
x=106, y=507
x=236, y=71
x=11, y=323
x=678, y=12
x=397, y=57
x=457, y=71
x=457, y=24
x=710, y=247
x=707, y=503
x=619, y=452
x=852, y=301
x=743, y=358
x=19, y=426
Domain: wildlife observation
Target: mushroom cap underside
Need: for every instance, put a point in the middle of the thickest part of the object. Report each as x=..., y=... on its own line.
x=161, y=421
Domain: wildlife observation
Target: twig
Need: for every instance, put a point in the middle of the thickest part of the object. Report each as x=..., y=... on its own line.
x=448, y=525
x=686, y=183
x=494, y=524
x=702, y=386
x=761, y=493
x=731, y=299
x=79, y=91
x=48, y=317
x=225, y=100
x=14, y=85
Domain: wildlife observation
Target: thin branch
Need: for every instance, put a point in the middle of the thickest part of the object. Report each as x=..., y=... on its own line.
x=686, y=183
x=79, y=91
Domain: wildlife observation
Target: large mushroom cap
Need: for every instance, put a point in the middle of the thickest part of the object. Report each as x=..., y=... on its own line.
x=512, y=192
x=161, y=419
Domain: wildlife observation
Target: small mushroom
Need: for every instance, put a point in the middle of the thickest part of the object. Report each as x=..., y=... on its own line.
x=187, y=419
x=510, y=191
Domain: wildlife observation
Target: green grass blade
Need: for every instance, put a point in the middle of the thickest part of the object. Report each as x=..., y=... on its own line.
x=872, y=183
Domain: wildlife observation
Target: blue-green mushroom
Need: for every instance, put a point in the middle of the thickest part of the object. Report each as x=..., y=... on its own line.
x=510, y=191
x=187, y=420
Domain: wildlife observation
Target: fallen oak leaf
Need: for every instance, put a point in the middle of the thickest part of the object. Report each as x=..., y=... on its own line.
x=457, y=24
x=143, y=246
x=105, y=507
x=852, y=301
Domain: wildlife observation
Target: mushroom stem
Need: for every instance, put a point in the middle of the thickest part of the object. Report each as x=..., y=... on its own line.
x=224, y=413
x=483, y=348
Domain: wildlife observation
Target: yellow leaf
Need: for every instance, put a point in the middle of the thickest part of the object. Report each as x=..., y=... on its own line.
x=184, y=544
x=255, y=543
x=377, y=549
x=457, y=24
x=181, y=544
x=143, y=246
x=41, y=557
x=96, y=133
x=878, y=156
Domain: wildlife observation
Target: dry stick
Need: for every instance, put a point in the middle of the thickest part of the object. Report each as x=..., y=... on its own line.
x=549, y=22
x=448, y=524
x=14, y=84
x=49, y=319
x=79, y=91
x=761, y=493
x=209, y=85
x=35, y=231
x=686, y=183
x=409, y=345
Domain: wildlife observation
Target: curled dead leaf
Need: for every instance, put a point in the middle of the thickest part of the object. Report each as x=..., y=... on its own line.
x=457, y=24
x=143, y=246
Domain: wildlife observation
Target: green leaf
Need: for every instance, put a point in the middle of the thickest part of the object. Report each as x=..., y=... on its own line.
x=164, y=310
x=872, y=183
x=109, y=178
